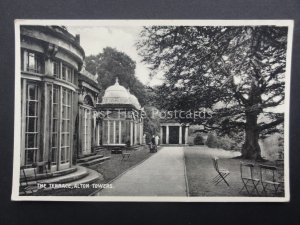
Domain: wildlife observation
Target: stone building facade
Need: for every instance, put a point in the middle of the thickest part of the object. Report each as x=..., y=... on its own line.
x=172, y=132
x=60, y=112
x=88, y=130
x=51, y=59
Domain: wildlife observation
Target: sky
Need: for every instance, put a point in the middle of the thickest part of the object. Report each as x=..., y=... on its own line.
x=94, y=38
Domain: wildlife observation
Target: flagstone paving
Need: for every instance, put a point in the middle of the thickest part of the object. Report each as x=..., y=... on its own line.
x=182, y=171
x=163, y=174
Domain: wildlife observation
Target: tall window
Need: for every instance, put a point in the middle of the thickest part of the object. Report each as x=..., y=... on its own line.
x=56, y=69
x=104, y=133
x=111, y=132
x=125, y=132
x=32, y=120
x=55, y=124
x=66, y=125
x=67, y=73
x=115, y=132
x=86, y=129
x=32, y=62
x=60, y=101
x=63, y=71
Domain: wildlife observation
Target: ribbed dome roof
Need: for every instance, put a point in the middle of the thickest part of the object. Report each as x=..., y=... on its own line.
x=134, y=101
x=117, y=94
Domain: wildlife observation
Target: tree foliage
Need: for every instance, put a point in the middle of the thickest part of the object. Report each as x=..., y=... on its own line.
x=111, y=64
x=236, y=71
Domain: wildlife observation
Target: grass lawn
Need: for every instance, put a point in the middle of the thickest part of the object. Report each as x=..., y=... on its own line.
x=109, y=170
x=200, y=172
x=112, y=168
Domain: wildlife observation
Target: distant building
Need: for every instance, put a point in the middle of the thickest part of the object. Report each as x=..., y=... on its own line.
x=173, y=132
x=121, y=118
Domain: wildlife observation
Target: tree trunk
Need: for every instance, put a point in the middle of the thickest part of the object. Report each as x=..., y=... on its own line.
x=251, y=148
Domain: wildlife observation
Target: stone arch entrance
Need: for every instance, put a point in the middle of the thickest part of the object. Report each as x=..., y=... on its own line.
x=174, y=133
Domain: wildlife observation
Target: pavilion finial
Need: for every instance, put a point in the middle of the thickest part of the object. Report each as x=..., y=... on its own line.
x=117, y=80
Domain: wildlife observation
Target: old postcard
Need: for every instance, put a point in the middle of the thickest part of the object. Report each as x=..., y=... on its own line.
x=152, y=110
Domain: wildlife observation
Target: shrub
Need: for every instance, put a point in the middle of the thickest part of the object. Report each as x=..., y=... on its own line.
x=212, y=141
x=190, y=140
x=225, y=142
x=198, y=140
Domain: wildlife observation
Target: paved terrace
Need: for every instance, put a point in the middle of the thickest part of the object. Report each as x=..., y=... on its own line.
x=163, y=174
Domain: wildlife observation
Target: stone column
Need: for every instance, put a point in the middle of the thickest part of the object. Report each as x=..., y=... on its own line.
x=161, y=135
x=95, y=129
x=48, y=67
x=79, y=141
x=186, y=135
x=98, y=133
x=23, y=108
x=42, y=153
x=180, y=135
x=59, y=128
x=85, y=125
x=141, y=132
x=120, y=132
x=135, y=133
x=114, y=134
x=167, y=134
x=131, y=133
x=108, y=132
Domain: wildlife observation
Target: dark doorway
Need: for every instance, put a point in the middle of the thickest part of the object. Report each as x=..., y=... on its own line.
x=183, y=135
x=163, y=135
x=173, y=135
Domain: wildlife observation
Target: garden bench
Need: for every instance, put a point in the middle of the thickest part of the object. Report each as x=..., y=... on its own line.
x=248, y=179
x=125, y=154
x=37, y=166
x=221, y=173
x=268, y=179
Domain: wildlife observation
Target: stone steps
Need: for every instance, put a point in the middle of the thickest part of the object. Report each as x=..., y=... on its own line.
x=87, y=155
x=94, y=161
x=80, y=173
x=99, y=149
x=51, y=174
x=91, y=178
x=89, y=158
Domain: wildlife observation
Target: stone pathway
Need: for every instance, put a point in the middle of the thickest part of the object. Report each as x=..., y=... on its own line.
x=163, y=174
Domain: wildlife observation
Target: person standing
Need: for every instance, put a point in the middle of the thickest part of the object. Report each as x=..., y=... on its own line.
x=157, y=140
x=153, y=144
x=144, y=139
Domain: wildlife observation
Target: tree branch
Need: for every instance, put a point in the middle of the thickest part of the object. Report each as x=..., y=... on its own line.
x=272, y=124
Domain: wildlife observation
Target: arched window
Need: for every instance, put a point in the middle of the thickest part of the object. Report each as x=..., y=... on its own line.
x=88, y=100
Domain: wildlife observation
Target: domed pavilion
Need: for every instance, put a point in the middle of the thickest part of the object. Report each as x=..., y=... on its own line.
x=120, y=118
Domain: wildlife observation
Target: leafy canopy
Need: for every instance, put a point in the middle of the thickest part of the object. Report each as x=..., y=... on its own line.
x=111, y=64
x=233, y=70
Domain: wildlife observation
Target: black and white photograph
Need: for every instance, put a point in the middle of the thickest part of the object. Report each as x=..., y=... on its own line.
x=152, y=110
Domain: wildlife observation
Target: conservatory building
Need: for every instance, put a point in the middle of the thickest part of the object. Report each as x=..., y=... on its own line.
x=120, y=118
x=51, y=59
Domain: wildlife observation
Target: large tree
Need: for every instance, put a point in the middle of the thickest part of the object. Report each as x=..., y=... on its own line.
x=238, y=72
x=111, y=64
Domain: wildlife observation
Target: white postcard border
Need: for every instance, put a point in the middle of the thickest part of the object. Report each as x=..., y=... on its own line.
x=17, y=112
